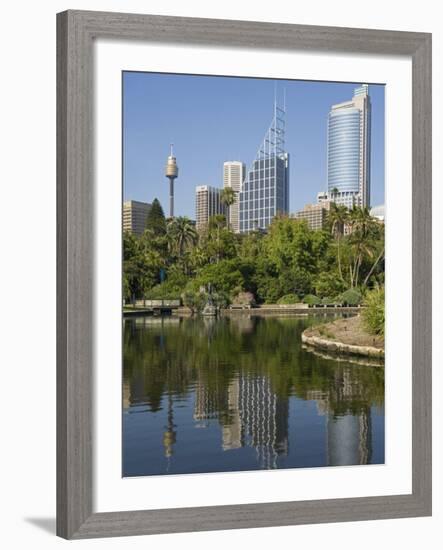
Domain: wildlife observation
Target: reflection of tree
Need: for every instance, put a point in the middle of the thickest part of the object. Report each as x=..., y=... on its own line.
x=242, y=375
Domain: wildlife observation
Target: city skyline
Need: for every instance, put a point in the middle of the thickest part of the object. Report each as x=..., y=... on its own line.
x=224, y=119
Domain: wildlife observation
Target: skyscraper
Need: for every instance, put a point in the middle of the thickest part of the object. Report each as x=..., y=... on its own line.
x=265, y=191
x=233, y=176
x=135, y=214
x=207, y=204
x=349, y=150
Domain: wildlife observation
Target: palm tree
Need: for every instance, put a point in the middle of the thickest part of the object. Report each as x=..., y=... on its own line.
x=361, y=220
x=334, y=193
x=362, y=225
x=216, y=224
x=182, y=234
x=228, y=197
x=338, y=217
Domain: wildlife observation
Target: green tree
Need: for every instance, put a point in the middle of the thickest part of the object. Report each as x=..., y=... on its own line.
x=228, y=197
x=374, y=312
x=156, y=221
x=364, y=241
x=338, y=217
x=224, y=276
x=182, y=234
x=217, y=240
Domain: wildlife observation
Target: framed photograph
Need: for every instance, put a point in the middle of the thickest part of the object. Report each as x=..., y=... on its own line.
x=244, y=274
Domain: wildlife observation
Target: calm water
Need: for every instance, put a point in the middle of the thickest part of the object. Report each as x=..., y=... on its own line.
x=240, y=393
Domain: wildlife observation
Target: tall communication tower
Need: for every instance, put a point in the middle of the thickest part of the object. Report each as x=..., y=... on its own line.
x=171, y=173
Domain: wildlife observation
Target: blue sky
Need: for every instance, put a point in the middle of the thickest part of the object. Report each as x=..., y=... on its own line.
x=212, y=119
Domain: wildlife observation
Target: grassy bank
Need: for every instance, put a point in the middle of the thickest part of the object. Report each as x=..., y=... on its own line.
x=345, y=336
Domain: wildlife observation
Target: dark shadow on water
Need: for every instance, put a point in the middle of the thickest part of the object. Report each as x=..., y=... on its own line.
x=46, y=524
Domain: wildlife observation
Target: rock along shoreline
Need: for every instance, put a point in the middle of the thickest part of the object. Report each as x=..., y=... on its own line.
x=331, y=342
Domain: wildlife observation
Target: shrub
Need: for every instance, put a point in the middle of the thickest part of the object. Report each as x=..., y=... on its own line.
x=194, y=300
x=328, y=283
x=311, y=300
x=289, y=299
x=351, y=297
x=220, y=299
x=170, y=289
x=374, y=312
x=244, y=299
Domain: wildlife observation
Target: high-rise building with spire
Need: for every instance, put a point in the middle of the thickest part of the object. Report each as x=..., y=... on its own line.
x=349, y=150
x=265, y=191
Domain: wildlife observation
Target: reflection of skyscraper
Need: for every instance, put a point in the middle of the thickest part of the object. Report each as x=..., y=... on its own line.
x=232, y=430
x=259, y=418
x=349, y=438
x=209, y=403
x=349, y=150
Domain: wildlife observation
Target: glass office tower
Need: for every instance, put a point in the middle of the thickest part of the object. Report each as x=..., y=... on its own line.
x=265, y=191
x=349, y=150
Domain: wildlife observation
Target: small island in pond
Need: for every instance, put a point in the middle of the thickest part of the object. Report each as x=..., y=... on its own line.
x=349, y=336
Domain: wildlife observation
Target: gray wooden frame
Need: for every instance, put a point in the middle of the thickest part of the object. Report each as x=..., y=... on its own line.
x=76, y=31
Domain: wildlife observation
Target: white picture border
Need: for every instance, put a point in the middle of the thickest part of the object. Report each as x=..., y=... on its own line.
x=111, y=491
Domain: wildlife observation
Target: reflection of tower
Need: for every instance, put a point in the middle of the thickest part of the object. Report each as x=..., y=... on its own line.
x=171, y=173
x=170, y=435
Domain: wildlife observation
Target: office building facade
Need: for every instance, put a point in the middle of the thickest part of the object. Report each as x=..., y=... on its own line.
x=233, y=176
x=207, y=204
x=265, y=191
x=135, y=214
x=349, y=150
x=316, y=215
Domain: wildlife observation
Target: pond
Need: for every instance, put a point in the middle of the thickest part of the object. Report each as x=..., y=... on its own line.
x=241, y=393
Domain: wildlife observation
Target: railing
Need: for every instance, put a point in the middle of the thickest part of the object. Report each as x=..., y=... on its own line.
x=154, y=303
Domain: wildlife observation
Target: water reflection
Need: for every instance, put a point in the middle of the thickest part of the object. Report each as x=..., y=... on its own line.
x=240, y=393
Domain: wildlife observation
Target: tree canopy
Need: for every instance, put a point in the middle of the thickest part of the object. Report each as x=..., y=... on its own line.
x=156, y=221
x=288, y=260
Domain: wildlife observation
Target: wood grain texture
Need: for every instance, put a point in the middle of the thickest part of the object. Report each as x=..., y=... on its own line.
x=76, y=31
x=74, y=281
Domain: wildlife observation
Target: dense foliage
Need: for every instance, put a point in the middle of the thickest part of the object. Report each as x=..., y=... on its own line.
x=288, y=262
x=288, y=299
x=374, y=312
